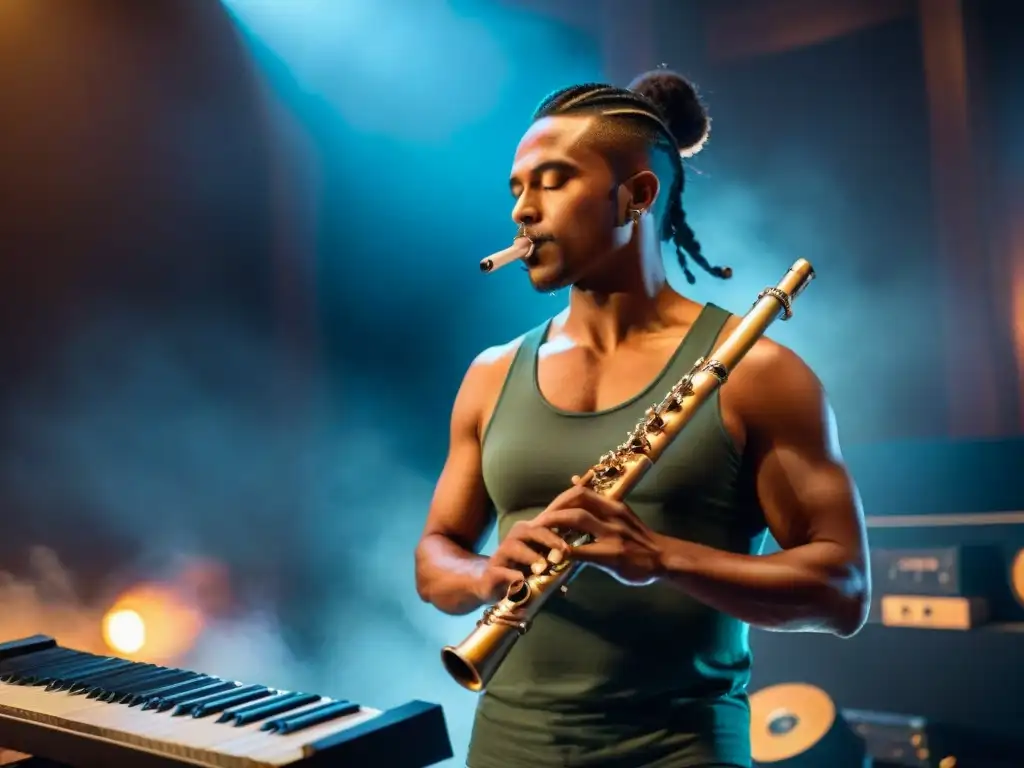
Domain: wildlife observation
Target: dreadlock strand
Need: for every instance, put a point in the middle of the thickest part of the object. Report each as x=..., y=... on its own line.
x=686, y=241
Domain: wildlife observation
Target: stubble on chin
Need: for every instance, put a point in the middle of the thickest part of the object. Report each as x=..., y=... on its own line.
x=548, y=284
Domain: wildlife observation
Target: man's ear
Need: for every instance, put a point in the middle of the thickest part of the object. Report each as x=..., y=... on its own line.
x=637, y=193
x=643, y=187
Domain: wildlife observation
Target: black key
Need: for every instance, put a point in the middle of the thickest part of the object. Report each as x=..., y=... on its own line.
x=189, y=684
x=88, y=670
x=218, y=702
x=67, y=678
x=92, y=685
x=83, y=684
x=33, y=677
x=329, y=711
x=57, y=662
x=102, y=685
x=155, y=702
x=123, y=688
x=114, y=688
x=154, y=681
x=166, y=702
x=14, y=648
x=145, y=680
x=30, y=661
x=33, y=659
x=275, y=705
x=82, y=681
x=185, y=707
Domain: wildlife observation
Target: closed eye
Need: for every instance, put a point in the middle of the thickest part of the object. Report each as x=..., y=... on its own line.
x=555, y=181
x=552, y=175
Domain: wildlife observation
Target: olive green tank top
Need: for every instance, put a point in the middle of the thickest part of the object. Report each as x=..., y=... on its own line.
x=611, y=675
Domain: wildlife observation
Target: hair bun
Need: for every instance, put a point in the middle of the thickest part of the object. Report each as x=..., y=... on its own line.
x=680, y=106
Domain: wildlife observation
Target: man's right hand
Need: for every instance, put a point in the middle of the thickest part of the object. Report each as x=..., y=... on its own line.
x=524, y=549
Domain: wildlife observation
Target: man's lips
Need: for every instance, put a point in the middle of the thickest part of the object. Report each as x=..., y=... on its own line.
x=533, y=259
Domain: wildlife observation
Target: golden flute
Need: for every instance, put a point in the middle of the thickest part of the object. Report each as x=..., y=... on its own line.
x=473, y=662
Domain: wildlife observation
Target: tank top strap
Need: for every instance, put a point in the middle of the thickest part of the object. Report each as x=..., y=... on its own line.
x=520, y=379
x=699, y=341
x=518, y=395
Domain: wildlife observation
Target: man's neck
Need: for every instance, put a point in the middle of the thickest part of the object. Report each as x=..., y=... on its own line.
x=633, y=299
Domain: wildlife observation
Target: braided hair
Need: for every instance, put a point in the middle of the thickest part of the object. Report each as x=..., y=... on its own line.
x=661, y=110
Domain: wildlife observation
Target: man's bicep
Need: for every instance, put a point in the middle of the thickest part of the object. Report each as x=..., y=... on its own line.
x=803, y=485
x=460, y=508
x=808, y=499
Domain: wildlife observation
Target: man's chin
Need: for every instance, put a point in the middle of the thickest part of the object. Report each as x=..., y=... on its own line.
x=546, y=281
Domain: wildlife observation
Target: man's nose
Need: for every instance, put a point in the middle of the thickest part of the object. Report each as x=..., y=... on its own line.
x=525, y=212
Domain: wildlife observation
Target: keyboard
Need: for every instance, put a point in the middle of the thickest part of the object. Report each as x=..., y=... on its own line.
x=91, y=711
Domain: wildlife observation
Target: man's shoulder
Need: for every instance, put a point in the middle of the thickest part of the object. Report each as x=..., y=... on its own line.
x=773, y=382
x=767, y=357
x=501, y=355
x=486, y=376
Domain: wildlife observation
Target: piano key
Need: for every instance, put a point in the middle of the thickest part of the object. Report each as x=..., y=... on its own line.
x=103, y=684
x=230, y=737
x=208, y=746
x=266, y=708
x=220, y=701
x=85, y=683
x=27, y=645
x=44, y=660
x=16, y=663
x=154, y=682
x=28, y=675
x=332, y=710
x=65, y=679
x=294, y=729
x=258, y=710
x=82, y=684
x=148, y=679
x=184, y=707
x=13, y=676
x=167, y=702
x=149, y=697
x=195, y=733
x=78, y=666
x=284, y=749
x=81, y=669
x=127, y=686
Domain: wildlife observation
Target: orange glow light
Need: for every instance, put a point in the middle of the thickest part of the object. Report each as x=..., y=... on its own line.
x=152, y=622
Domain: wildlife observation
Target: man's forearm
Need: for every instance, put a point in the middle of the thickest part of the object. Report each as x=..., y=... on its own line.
x=446, y=575
x=801, y=589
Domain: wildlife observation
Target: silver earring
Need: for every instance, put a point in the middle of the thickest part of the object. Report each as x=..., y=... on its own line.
x=635, y=214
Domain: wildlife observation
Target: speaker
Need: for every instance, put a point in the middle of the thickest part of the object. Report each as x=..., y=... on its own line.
x=795, y=725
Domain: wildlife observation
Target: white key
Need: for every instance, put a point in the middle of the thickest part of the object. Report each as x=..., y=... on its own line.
x=200, y=739
x=263, y=745
x=288, y=748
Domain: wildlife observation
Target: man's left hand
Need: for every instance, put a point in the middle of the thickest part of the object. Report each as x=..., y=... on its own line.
x=624, y=546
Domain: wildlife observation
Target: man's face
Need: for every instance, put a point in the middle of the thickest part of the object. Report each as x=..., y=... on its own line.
x=565, y=196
